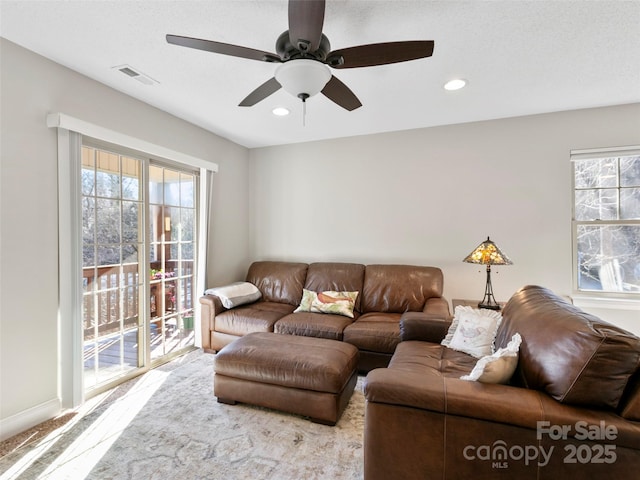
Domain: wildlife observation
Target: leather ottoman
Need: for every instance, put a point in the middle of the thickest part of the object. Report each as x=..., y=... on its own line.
x=308, y=376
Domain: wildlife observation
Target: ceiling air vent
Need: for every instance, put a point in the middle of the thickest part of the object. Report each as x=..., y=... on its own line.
x=135, y=74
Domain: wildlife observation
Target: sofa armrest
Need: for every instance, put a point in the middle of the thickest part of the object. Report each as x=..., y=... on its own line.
x=423, y=326
x=210, y=307
x=437, y=307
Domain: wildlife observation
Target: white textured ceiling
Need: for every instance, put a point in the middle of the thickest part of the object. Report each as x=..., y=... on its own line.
x=519, y=57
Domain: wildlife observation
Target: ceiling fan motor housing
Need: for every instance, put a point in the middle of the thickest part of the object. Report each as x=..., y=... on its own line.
x=288, y=51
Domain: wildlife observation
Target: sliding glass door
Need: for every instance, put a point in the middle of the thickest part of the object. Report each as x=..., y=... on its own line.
x=112, y=271
x=172, y=230
x=138, y=250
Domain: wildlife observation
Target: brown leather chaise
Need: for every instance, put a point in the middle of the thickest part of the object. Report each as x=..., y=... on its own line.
x=571, y=409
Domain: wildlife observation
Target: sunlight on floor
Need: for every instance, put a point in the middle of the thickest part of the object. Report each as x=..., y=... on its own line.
x=85, y=452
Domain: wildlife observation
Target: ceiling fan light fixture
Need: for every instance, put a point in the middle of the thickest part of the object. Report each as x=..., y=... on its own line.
x=455, y=84
x=303, y=78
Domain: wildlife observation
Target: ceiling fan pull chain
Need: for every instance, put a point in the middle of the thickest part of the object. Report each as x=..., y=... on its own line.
x=303, y=97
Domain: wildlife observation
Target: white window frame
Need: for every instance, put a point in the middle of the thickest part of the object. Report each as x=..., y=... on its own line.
x=598, y=298
x=70, y=130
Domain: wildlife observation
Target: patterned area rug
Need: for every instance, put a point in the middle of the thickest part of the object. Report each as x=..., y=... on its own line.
x=167, y=424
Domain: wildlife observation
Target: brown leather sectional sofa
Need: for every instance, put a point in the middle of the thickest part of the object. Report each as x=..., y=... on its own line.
x=386, y=292
x=571, y=409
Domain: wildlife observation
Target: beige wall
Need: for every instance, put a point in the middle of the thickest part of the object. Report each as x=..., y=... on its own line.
x=31, y=88
x=430, y=196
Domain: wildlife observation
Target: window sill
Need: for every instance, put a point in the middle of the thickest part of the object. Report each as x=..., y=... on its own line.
x=617, y=303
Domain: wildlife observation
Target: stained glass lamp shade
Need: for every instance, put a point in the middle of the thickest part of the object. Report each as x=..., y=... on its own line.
x=488, y=253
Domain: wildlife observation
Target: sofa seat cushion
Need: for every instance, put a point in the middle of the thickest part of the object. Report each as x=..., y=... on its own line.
x=375, y=332
x=307, y=324
x=256, y=317
x=431, y=358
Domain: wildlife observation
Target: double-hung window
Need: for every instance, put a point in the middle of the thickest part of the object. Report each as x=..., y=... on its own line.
x=606, y=220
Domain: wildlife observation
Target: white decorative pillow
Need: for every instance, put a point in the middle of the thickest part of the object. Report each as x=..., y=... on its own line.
x=446, y=341
x=235, y=294
x=473, y=331
x=499, y=367
x=339, y=303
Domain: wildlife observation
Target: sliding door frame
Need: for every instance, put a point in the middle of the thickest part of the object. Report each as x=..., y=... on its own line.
x=70, y=338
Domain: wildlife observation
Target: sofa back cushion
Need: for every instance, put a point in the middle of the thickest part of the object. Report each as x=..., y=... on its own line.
x=571, y=355
x=339, y=277
x=399, y=288
x=280, y=282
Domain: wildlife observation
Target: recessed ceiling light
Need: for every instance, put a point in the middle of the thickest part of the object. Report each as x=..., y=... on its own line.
x=455, y=84
x=280, y=111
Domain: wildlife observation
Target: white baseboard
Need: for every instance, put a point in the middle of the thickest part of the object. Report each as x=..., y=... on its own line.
x=31, y=417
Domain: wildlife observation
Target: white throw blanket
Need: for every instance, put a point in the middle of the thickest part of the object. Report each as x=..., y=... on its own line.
x=235, y=294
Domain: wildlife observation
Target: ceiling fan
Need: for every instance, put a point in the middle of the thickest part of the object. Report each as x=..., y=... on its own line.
x=305, y=54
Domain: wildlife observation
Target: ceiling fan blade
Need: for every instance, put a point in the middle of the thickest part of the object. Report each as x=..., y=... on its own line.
x=223, y=48
x=260, y=93
x=380, y=54
x=339, y=93
x=305, y=24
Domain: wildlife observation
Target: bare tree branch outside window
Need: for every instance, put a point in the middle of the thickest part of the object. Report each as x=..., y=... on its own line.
x=607, y=223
